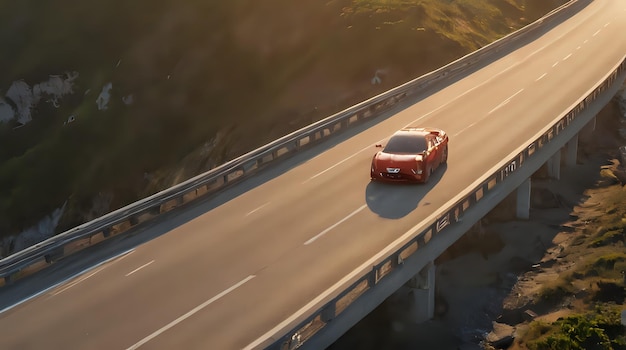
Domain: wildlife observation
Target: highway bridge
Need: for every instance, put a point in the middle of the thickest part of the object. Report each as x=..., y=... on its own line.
x=241, y=268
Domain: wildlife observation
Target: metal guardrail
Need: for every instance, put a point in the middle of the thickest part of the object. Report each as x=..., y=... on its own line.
x=44, y=253
x=306, y=329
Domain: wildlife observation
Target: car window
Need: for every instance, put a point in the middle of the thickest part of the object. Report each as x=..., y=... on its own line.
x=406, y=143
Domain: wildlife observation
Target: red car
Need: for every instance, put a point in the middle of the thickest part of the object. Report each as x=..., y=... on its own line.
x=412, y=154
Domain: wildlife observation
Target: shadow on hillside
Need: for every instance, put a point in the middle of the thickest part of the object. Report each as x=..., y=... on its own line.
x=387, y=200
x=396, y=200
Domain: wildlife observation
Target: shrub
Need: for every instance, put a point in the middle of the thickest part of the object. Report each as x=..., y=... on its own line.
x=600, y=329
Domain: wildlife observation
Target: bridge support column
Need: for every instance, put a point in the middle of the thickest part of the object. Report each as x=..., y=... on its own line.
x=591, y=126
x=572, y=152
x=554, y=166
x=523, y=200
x=422, y=294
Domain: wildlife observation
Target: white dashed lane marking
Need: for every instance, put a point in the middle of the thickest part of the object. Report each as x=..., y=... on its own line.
x=503, y=103
x=335, y=225
x=257, y=209
x=139, y=268
x=190, y=313
x=422, y=117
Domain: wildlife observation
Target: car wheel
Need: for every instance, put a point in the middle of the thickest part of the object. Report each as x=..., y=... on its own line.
x=428, y=173
x=444, y=156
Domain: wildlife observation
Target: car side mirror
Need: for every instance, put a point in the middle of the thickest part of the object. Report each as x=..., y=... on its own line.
x=378, y=145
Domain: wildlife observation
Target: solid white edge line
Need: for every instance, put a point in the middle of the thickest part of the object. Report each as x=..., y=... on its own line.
x=78, y=281
x=189, y=313
x=335, y=225
x=139, y=268
x=122, y=255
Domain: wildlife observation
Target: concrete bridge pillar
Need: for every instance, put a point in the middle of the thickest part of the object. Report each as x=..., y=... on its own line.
x=554, y=166
x=422, y=294
x=523, y=200
x=572, y=152
x=591, y=126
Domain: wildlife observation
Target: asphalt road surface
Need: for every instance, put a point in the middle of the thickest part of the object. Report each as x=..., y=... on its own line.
x=232, y=268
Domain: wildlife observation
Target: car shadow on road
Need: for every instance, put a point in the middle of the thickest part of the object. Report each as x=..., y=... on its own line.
x=396, y=200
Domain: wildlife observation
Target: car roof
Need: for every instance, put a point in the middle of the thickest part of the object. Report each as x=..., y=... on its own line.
x=414, y=131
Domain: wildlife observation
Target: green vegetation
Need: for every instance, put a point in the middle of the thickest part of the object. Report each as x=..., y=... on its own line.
x=593, y=289
x=210, y=81
x=608, y=237
x=470, y=23
x=599, y=329
x=595, y=268
x=614, y=210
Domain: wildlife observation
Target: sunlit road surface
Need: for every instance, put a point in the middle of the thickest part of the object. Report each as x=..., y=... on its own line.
x=226, y=278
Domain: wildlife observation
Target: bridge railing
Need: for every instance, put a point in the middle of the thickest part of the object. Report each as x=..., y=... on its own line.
x=306, y=329
x=41, y=255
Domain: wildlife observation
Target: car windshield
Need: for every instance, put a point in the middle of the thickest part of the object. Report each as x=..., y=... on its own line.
x=406, y=143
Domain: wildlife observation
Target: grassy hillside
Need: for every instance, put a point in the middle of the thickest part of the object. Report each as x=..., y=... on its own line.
x=210, y=80
x=581, y=308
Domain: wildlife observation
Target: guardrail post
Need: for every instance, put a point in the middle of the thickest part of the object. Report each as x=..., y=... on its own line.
x=54, y=255
x=371, y=278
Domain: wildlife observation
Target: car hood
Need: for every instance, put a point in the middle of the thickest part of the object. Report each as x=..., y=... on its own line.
x=392, y=160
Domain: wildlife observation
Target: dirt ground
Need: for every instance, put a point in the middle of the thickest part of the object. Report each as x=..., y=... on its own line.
x=488, y=279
